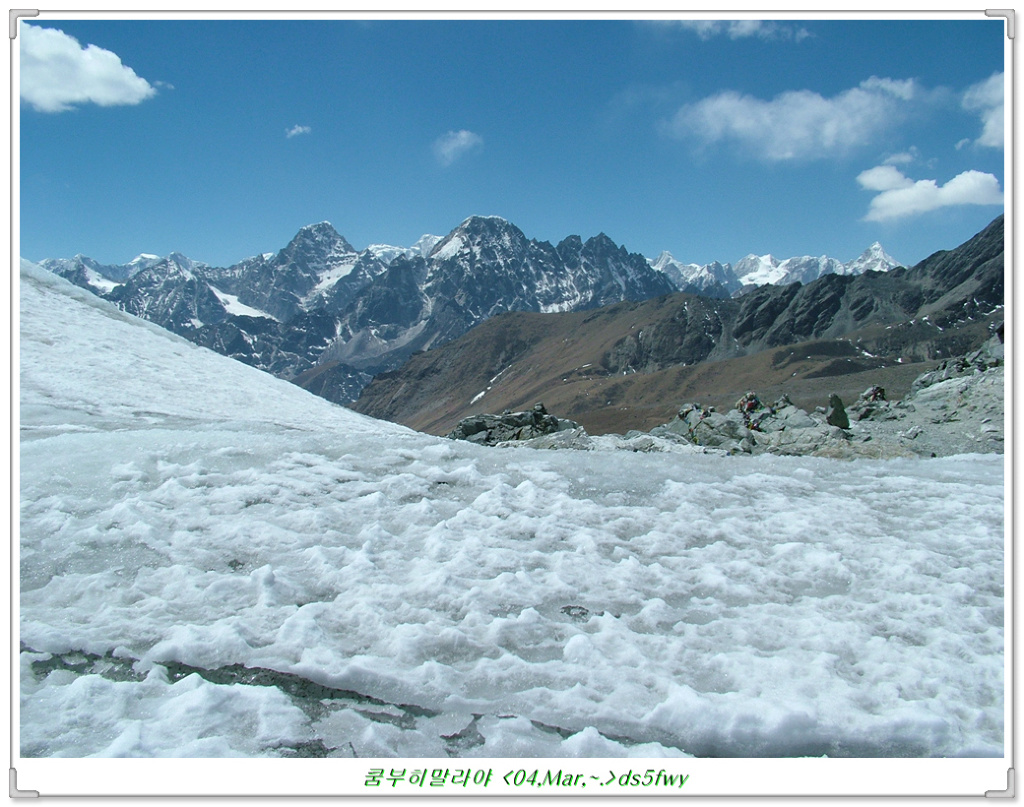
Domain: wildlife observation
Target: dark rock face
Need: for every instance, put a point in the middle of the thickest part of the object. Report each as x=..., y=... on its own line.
x=836, y=413
x=702, y=328
x=493, y=429
x=484, y=267
x=174, y=293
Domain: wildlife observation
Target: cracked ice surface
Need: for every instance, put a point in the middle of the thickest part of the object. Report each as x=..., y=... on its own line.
x=216, y=563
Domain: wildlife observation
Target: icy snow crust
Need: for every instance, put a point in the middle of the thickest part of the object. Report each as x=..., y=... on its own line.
x=216, y=563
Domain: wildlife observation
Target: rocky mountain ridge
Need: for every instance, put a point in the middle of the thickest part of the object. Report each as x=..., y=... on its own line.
x=320, y=306
x=330, y=317
x=598, y=367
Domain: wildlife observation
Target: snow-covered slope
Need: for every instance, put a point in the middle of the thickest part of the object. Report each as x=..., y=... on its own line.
x=215, y=563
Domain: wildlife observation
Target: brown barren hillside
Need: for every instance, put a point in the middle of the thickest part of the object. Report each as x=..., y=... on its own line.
x=515, y=360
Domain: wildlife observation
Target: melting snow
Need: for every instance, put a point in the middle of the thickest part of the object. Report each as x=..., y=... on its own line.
x=184, y=517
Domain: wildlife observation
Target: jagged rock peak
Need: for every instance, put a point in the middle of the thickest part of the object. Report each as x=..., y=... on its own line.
x=477, y=229
x=320, y=226
x=322, y=232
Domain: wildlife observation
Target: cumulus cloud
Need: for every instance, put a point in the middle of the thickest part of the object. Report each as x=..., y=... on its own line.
x=798, y=124
x=742, y=29
x=986, y=99
x=297, y=130
x=899, y=196
x=452, y=145
x=57, y=73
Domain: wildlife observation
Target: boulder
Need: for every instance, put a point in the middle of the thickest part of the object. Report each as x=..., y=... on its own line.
x=817, y=441
x=788, y=417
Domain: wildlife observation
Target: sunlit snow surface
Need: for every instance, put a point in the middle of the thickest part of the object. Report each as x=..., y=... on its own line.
x=184, y=518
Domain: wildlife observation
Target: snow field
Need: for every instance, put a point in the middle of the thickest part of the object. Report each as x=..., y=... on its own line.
x=395, y=594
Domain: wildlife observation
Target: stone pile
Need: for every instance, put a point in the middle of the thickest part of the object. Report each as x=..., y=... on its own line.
x=508, y=426
x=873, y=405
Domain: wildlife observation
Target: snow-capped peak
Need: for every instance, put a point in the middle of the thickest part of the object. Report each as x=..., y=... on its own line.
x=759, y=270
x=320, y=225
x=476, y=218
x=873, y=259
x=426, y=244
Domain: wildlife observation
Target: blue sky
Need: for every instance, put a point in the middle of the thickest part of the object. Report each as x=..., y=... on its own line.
x=712, y=140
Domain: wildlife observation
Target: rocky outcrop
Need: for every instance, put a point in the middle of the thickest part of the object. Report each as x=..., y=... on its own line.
x=510, y=426
x=990, y=355
x=754, y=428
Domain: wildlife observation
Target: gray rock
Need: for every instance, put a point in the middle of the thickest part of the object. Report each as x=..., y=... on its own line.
x=575, y=439
x=789, y=417
x=821, y=440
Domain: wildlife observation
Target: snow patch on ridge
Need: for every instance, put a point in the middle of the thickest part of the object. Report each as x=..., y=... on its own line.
x=234, y=306
x=453, y=247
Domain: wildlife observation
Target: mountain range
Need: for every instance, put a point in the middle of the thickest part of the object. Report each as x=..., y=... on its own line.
x=330, y=317
x=630, y=365
x=727, y=280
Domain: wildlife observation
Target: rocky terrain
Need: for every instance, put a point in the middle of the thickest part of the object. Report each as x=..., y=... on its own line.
x=627, y=366
x=954, y=409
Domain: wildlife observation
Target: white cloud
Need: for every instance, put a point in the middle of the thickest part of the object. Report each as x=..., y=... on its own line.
x=986, y=98
x=883, y=178
x=452, y=145
x=901, y=196
x=742, y=29
x=297, y=130
x=903, y=157
x=798, y=124
x=57, y=73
